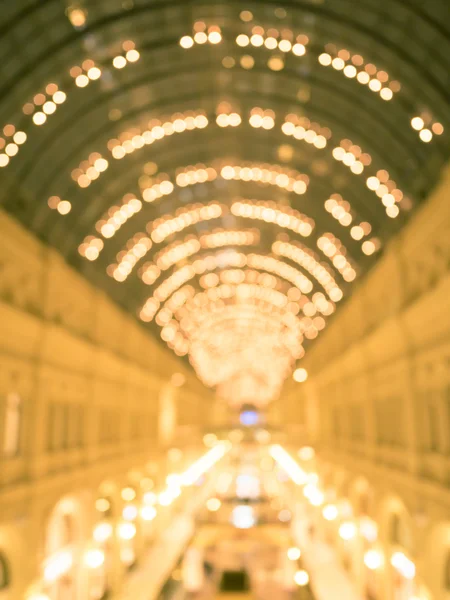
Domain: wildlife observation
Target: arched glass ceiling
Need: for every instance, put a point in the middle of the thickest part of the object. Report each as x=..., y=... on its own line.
x=250, y=160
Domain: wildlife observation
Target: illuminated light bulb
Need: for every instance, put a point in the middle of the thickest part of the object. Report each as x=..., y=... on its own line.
x=257, y=40
x=119, y=62
x=213, y=504
x=148, y=513
x=128, y=494
x=94, y=559
x=363, y=77
x=82, y=81
x=357, y=232
x=214, y=37
x=275, y=63
x=186, y=42
x=12, y=149
x=347, y=531
x=306, y=453
x=373, y=183
x=234, y=119
x=300, y=375
x=4, y=160
x=338, y=64
x=417, y=123
x=20, y=137
x=373, y=559
x=94, y=73
x=368, y=247
x=102, y=532
x=437, y=128
x=39, y=118
x=294, y=553
x=392, y=211
x=200, y=37
x=375, y=85
x=386, y=94
x=150, y=498
x=129, y=513
x=59, y=97
x=102, y=504
x=426, y=135
x=285, y=45
x=77, y=17
x=325, y=59
x=301, y=578
x=298, y=49
x=64, y=207
x=132, y=55
x=242, y=40
x=270, y=43
x=350, y=71
x=330, y=512
x=91, y=253
x=126, y=531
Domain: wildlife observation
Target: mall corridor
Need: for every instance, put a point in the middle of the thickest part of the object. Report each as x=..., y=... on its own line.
x=224, y=300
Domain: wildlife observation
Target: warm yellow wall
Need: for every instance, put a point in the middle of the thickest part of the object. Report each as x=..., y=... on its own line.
x=377, y=401
x=65, y=347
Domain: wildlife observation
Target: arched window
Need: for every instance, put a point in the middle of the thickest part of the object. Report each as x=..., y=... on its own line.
x=447, y=573
x=394, y=533
x=11, y=435
x=4, y=573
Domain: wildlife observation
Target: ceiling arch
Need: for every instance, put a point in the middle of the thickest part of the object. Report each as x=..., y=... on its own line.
x=51, y=122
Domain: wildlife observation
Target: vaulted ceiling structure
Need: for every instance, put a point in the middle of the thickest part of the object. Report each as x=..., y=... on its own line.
x=226, y=171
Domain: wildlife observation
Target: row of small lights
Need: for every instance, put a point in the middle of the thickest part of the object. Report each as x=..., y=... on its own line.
x=89, y=71
x=333, y=248
x=312, y=133
x=60, y=563
x=340, y=209
x=305, y=257
x=348, y=529
x=426, y=128
x=354, y=67
x=386, y=189
x=268, y=211
x=352, y=156
x=284, y=216
x=301, y=128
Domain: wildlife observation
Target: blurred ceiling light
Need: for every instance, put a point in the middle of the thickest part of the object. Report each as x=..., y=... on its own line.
x=300, y=375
